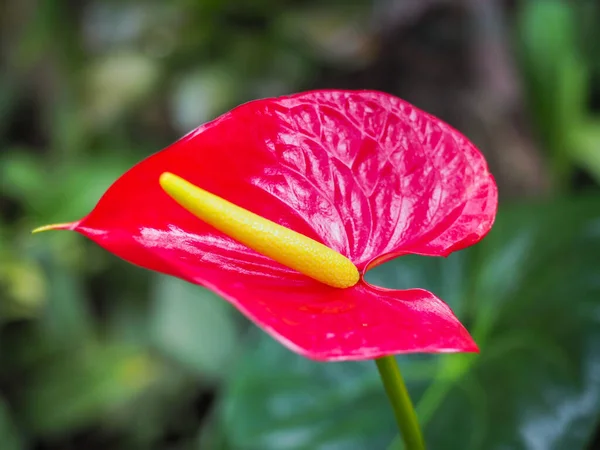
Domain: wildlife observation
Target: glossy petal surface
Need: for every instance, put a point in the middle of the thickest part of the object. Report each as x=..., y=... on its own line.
x=361, y=322
x=363, y=172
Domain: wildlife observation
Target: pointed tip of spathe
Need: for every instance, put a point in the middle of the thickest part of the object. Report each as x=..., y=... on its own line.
x=55, y=226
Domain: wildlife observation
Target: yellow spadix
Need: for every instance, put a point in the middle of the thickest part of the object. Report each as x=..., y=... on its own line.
x=285, y=246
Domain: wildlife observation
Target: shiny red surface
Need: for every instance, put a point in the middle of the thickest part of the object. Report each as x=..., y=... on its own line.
x=363, y=172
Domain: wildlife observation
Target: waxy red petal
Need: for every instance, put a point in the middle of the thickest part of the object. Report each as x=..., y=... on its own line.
x=364, y=172
x=362, y=322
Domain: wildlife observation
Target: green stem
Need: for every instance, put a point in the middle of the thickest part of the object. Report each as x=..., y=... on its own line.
x=401, y=403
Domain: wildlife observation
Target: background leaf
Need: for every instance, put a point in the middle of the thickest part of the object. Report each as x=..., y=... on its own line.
x=278, y=400
x=95, y=382
x=585, y=142
x=556, y=76
x=9, y=435
x=530, y=295
x=193, y=326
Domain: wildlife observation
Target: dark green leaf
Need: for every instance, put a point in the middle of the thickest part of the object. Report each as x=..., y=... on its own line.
x=278, y=400
x=537, y=304
x=9, y=436
x=530, y=295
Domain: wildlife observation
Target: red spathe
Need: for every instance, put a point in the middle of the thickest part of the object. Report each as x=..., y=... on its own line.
x=363, y=172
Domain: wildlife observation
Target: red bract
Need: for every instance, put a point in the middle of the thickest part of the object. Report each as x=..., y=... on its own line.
x=363, y=172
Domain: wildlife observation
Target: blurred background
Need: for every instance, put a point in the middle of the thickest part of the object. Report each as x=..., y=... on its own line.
x=98, y=354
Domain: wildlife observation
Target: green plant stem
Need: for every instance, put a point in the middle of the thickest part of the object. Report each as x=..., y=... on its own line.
x=401, y=403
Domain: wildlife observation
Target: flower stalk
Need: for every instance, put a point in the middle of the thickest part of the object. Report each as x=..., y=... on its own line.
x=402, y=405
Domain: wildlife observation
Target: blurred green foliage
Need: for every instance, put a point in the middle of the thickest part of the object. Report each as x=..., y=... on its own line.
x=95, y=353
x=558, y=75
x=530, y=293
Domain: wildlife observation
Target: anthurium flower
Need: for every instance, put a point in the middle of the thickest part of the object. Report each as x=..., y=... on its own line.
x=363, y=173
